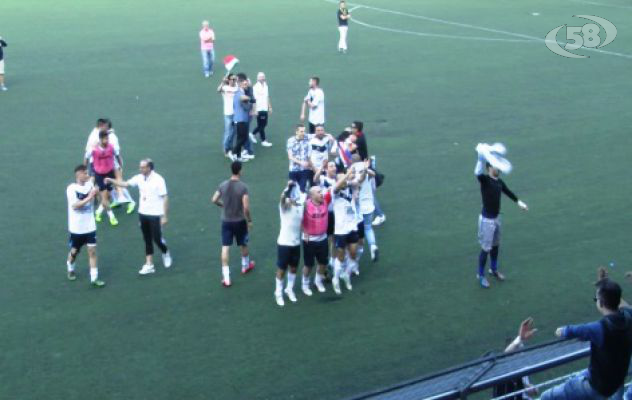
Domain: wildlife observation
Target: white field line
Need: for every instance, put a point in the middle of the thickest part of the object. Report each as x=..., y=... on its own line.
x=594, y=3
x=476, y=27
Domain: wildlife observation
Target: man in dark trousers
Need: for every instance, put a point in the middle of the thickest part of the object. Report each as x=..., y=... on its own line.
x=242, y=105
x=610, y=347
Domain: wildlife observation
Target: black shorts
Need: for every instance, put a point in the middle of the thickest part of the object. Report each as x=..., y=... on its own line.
x=342, y=241
x=100, y=181
x=237, y=230
x=361, y=230
x=288, y=256
x=331, y=223
x=77, y=240
x=315, y=250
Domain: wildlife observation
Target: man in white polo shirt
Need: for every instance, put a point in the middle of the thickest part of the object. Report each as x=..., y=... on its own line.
x=81, y=223
x=315, y=101
x=263, y=108
x=152, y=212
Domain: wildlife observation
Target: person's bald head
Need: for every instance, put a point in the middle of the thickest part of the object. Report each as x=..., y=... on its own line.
x=316, y=195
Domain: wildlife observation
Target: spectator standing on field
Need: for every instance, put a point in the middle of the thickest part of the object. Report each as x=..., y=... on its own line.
x=227, y=89
x=263, y=109
x=207, y=45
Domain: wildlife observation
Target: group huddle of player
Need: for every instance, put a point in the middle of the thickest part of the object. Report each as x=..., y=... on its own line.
x=326, y=209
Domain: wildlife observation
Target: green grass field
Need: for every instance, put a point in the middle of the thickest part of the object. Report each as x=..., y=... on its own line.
x=426, y=102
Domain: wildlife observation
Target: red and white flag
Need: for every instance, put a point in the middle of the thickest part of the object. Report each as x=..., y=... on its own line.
x=230, y=61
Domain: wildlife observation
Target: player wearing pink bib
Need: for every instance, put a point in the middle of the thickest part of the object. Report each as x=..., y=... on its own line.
x=315, y=224
x=103, y=164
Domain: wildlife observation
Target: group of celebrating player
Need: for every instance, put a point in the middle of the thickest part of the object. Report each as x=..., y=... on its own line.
x=100, y=176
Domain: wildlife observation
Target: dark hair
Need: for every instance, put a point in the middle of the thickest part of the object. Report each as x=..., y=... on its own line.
x=609, y=294
x=108, y=122
x=242, y=77
x=317, y=79
x=80, y=167
x=235, y=167
x=359, y=125
x=299, y=126
x=319, y=126
x=102, y=121
x=150, y=163
x=103, y=134
x=343, y=136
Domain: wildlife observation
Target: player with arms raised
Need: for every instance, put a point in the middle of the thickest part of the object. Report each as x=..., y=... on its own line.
x=490, y=161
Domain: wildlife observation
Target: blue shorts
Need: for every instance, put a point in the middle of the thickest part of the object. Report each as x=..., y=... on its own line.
x=315, y=250
x=342, y=241
x=237, y=230
x=77, y=240
x=288, y=256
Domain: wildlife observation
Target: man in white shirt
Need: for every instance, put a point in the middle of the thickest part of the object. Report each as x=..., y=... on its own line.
x=263, y=108
x=121, y=195
x=366, y=206
x=152, y=212
x=321, y=144
x=227, y=89
x=345, y=229
x=81, y=223
x=315, y=101
x=291, y=209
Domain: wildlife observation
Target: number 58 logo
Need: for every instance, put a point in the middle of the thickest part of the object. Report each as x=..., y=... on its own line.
x=582, y=36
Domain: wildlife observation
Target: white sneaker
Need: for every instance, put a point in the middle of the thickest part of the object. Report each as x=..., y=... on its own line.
x=319, y=286
x=246, y=156
x=229, y=154
x=336, y=285
x=206, y=75
x=279, y=299
x=253, y=138
x=306, y=290
x=146, y=270
x=3, y=88
x=346, y=278
x=375, y=253
x=379, y=220
x=265, y=143
x=290, y=295
x=166, y=260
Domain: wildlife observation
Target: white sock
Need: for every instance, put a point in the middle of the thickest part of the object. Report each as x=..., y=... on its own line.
x=331, y=261
x=337, y=268
x=110, y=214
x=290, y=281
x=318, y=278
x=279, y=286
x=350, y=267
x=100, y=209
x=245, y=261
x=226, y=273
x=71, y=267
x=359, y=253
x=127, y=196
x=306, y=280
x=94, y=274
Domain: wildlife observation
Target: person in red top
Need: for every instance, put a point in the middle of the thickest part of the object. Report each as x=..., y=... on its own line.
x=315, y=248
x=103, y=163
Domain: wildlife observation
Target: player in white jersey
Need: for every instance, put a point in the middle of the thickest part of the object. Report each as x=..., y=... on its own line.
x=81, y=223
x=315, y=102
x=321, y=144
x=366, y=206
x=345, y=229
x=291, y=209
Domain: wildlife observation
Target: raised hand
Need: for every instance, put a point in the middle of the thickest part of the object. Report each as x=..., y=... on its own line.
x=527, y=330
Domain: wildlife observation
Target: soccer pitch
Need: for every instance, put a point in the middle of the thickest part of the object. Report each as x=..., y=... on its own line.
x=430, y=79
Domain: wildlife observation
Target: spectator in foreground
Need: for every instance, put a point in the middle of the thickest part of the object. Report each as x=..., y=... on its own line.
x=525, y=332
x=610, y=347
